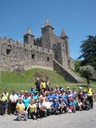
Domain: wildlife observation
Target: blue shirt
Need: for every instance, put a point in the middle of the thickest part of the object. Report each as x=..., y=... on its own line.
x=64, y=97
x=55, y=105
x=35, y=97
x=55, y=97
x=26, y=102
x=50, y=96
x=32, y=91
x=70, y=103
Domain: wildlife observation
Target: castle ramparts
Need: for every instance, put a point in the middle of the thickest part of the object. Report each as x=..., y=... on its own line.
x=36, y=52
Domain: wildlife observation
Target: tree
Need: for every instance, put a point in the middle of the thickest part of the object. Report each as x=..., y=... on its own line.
x=87, y=72
x=88, y=49
x=77, y=65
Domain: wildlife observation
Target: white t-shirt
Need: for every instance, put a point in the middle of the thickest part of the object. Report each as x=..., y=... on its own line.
x=47, y=104
x=13, y=98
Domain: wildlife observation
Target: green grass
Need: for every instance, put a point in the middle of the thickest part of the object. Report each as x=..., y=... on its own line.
x=23, y=81
x=29, y=76
x=17, y=80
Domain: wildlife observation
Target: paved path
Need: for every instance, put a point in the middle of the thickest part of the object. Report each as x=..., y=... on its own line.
x=84, y=119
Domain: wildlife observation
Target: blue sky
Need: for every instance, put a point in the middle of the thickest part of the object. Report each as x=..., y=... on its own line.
x=76, y=17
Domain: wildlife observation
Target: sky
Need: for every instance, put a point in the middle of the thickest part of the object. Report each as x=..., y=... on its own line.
x=76, y=17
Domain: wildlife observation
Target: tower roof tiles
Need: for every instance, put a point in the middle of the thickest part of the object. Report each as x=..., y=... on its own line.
x=28, y=31
x=47, y=23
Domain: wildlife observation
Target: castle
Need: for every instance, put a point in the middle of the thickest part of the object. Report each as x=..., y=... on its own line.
x=49, y=51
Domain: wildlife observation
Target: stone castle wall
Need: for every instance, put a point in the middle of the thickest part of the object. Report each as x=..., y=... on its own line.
x=60, y=51
x=72, y=63
x=15, y=55
x=49, y=51
x=36, y=52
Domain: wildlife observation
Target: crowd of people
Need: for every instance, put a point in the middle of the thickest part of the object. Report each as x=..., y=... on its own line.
x=44, y=100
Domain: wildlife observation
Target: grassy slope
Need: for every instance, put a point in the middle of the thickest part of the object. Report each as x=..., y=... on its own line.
x=19, y=81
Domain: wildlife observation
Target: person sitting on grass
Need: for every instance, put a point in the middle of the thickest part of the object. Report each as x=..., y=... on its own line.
x=20, y=109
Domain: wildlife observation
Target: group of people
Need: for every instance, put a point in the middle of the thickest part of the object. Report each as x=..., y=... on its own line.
x=44, y=100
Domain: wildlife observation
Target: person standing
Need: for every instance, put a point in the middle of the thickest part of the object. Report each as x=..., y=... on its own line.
x=26, y=101
x=43, y=85
x=90, y=96
x=48, y=86
x=13, y=100
x=37, y=85
x=4, y=100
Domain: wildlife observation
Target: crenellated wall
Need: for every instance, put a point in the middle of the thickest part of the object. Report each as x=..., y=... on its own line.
x=15, y=54
x=49, y=51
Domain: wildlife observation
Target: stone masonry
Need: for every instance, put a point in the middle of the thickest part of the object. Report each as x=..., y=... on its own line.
x=37, y=52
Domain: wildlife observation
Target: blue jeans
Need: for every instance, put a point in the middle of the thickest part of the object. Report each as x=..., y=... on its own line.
x=4, y=106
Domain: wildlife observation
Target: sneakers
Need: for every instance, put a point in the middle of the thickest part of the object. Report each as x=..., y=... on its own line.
x=57, y=112
x=34, y=117
x=25, y=119
x=70, y=111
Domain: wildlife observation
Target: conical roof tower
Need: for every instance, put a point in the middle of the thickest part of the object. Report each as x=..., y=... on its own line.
x=28, y=36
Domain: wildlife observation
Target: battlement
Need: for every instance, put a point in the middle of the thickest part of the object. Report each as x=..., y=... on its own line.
x=37, y=48
x=37, y=52
x=14, y=43
x=16, y=55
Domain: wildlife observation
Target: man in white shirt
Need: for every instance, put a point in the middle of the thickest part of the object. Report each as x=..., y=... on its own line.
x=42, y=108
x=48, y=106
x=13, y=100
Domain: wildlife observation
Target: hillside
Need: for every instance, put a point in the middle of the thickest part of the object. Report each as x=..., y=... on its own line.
x=29, y=76
x=24, y=80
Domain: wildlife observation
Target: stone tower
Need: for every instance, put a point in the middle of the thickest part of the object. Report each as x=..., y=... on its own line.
x=48, y=51
x=28, y=37
x=65, y=38
x=47, y=35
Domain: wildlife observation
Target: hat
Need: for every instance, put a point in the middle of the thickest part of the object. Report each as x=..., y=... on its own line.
x=22, y=90
x=50, y=99
x=80, y=87
x=35, y=91
x=37, y=78
x=68, y=87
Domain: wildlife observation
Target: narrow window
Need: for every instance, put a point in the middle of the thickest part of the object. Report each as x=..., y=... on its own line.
x=48, y=59
x=33, y=56
x=8, y=51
